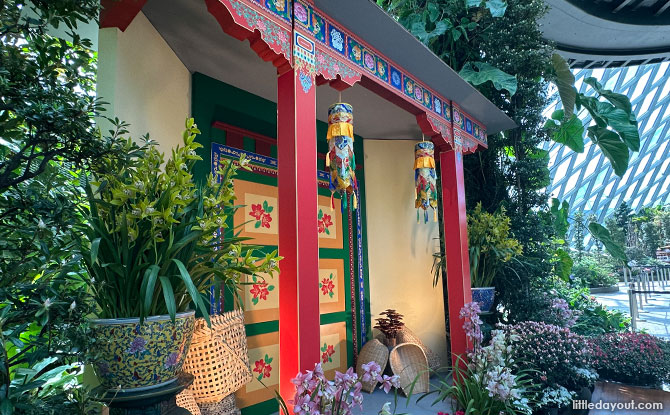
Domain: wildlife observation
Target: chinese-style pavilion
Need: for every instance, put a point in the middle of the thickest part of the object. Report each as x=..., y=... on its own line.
x=259, y=76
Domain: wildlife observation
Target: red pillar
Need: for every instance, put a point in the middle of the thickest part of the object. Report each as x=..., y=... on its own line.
x=298, y=234
x=456, y=245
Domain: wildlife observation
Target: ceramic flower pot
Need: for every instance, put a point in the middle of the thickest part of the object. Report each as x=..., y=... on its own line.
x=484, y=296
x=139, y=357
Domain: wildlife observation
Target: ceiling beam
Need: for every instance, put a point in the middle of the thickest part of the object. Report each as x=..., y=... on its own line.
x=662, y=8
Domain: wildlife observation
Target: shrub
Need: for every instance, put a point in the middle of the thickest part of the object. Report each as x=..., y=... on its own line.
x=592, y=274
x=634, y=358
x=596, y=319
x=557, y=359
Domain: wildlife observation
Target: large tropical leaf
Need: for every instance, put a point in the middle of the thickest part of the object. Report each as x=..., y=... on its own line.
x=565, y=82
x=563, y=264
x=569, y=133
x=620, y=121
x=603, y=235
x=478, y=73
x=559, y=213
x=612, y=147
x=418, y=29
x=496, y=7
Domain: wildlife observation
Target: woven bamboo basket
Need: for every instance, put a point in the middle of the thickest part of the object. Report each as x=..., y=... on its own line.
x=186, y=400
x=406, y=335
x=228, y=406
x=409, y=363
x=373, y=350
x=218, y=357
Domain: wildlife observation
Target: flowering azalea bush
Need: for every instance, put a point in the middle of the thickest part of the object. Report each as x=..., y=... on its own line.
x=634, y=358
x=314, y=394
x=557, y=359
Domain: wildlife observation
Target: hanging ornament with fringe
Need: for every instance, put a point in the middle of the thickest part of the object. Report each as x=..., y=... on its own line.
x=425, y=180
x=340, y=157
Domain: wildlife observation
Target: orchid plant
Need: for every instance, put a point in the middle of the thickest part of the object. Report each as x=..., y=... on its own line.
x=316, y=395
x=486, y=383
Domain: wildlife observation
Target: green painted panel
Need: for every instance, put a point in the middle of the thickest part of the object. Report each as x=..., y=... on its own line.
x=212, y=101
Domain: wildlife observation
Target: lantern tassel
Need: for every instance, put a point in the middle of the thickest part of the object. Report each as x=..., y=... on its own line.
x=327, y=158
x=354, y=201
x=425, y=216
x=332, y=201
x=417, y=216
x=434, y=215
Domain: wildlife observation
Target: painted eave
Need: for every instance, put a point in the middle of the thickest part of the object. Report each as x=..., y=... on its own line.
x=369, y=22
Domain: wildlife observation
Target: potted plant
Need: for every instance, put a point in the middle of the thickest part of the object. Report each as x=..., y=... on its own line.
x=152, y=247
x=490, y=246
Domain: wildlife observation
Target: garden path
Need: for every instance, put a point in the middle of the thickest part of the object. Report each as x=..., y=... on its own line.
x=618, y=393
x=654, y=318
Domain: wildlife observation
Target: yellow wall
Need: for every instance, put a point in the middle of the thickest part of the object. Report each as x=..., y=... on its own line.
x=144, y=81
x=400, y=250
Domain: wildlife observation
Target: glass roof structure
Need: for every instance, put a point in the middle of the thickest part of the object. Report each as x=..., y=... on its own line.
x=586, y=180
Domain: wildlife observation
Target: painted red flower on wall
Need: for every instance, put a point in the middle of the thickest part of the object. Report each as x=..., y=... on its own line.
x=327, y=351
x=261, y=212
x=263, y=367
x=324, y=222
x=327, y=286
x=260, y=290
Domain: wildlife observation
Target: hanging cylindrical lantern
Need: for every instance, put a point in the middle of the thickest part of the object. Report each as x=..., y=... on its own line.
x=425, y=179
x=340, y=157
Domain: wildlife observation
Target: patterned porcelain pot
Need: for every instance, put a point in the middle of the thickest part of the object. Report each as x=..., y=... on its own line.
x=484, y=296
x=138, y=357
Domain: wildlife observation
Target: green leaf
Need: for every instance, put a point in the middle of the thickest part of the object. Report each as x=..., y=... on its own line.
x=559, y=213
x=433, y=11
x=620, y=101
x=257, y=224
x=603, y=235
x=168, y=295
x=6, y=407
x=95, y=246
x=612, y=147
x=569, y=133
x=620, y=121
x=148, y=287
x=563, y=266
x=497, y=8
x=565, y=81
x=478, y=73
x=192, y=290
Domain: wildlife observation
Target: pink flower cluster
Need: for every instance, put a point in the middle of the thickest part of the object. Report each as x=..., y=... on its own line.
x=472, y=325
x=563, y=314
x=559, y=356
x=635, y=358
x=316, y=395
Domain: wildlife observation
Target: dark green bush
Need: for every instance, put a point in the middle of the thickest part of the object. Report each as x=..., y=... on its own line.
x=591, y=273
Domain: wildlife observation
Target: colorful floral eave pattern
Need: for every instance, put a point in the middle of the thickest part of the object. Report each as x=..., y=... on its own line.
x=338, y=52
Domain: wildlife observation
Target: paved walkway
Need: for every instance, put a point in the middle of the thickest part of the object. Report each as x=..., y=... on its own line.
x=630, y=400
x=654, y=318
x=373, y=402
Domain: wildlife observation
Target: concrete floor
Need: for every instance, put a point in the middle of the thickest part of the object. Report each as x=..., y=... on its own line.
x=373, y=402
x=654, y=318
